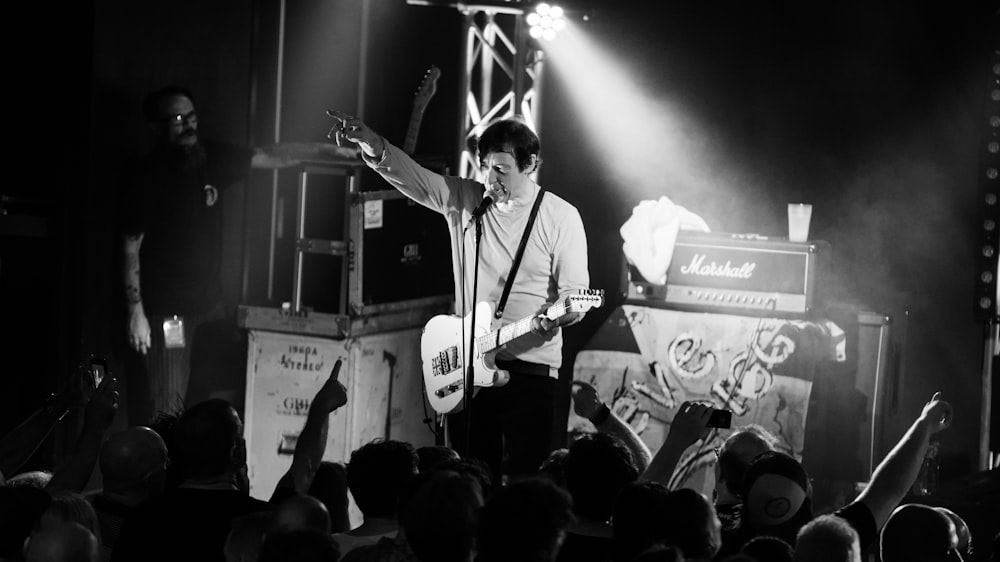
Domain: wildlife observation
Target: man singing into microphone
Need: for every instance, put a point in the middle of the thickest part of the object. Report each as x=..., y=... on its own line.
x=511, y=423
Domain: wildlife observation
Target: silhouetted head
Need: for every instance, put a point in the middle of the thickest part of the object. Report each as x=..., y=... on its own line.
x=691, y=524
x=438, y=515
x=301, y=513
x=20, y=509
x=919, y=532
x=377, y=475
x=827, y=538
x=69, y=507
x=433, y=455
x=526, y=520
x=554, y=466
x=329, y=486
x=597, y=467
x=639, y=518
x=65, y=542
x=208, y=441
x=134, y=462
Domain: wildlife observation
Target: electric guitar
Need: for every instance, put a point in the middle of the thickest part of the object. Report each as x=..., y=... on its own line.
x=428, y=86
x=441, y=347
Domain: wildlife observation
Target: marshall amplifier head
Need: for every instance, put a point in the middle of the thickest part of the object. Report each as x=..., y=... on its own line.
x=735, y=273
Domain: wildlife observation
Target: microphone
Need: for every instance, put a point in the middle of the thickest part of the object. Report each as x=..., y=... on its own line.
x=488, y=199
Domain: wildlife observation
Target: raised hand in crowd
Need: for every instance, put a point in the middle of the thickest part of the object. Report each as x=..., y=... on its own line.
x=20, y=443
x=588, y=404
x=894, y=476
x=98, y=415
x=690, y=424
x=311, y=444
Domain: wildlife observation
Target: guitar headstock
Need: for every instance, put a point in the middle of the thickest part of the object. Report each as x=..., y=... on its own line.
x=428, y=86
x=584, y=300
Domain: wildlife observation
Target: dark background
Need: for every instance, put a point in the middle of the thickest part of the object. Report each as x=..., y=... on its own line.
x=871, y=111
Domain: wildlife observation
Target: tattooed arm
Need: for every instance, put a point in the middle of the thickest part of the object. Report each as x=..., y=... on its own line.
x=138, y=324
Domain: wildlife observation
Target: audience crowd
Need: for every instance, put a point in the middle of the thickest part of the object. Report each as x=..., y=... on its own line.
x=179, y=491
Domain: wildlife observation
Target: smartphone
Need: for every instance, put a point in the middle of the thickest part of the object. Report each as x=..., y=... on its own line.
x=98, y=368
x=721, y=419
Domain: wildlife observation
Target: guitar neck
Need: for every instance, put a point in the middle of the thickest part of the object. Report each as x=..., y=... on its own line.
x=410, y=143
x=506, y=334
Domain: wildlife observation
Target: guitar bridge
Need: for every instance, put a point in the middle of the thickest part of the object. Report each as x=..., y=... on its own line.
x=445, y=362
x=450, y=389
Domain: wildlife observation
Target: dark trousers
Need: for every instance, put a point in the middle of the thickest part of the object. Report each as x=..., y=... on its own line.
x=168, y=380
x=515, y=419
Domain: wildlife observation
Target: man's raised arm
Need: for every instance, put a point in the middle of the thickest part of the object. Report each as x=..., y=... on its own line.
x=897, y=472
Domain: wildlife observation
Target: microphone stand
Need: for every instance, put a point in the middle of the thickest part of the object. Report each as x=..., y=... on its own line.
x=470, y=370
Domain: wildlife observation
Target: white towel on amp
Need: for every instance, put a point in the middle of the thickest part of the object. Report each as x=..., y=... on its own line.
x=650, y=234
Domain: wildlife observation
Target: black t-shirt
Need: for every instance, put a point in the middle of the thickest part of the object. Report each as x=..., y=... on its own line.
x=178, y=211
x=860, y=517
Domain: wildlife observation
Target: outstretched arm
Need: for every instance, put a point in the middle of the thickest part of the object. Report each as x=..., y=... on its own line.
x=285, y=154
x=20, y=443
x=100, y=411
x=311, y=444
x=690, y=424
x=586, y=403
x=896, y=473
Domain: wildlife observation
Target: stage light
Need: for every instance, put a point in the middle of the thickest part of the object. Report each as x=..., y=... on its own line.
x=987, y=309
x=546, y=21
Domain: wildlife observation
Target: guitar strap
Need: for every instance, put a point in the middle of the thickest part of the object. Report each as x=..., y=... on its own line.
x=520, y=252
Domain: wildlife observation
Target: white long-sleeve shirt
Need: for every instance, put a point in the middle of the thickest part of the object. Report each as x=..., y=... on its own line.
x=554, y=262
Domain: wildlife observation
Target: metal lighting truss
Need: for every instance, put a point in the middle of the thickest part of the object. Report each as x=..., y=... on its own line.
x=501, y=75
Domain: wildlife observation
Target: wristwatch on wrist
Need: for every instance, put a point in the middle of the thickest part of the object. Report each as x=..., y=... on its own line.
x=601, y=415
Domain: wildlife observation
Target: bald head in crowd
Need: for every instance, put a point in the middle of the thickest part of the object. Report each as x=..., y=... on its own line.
x=133, y=464
x=301, y=513
x=67, y=542
x=919, y=532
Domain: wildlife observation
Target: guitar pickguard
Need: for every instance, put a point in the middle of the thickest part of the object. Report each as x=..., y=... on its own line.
x=447, y=361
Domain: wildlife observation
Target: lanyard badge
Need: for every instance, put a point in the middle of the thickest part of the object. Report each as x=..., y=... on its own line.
x=173, y=332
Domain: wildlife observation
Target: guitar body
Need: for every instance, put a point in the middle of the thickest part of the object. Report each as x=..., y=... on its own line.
x=445, y=337
x=441, y=346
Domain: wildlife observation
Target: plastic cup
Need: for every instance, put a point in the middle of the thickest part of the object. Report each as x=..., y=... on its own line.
x=798, y=221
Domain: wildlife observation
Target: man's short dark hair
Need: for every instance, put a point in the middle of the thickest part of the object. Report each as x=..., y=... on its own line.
x=690, y=522
x=597, y=467
x=524, y=521
x=378, y=473
x=638, y=518
x=151, y=103
x=827, y=538
x=511, y=135
x=205, y=437
x=438, y=515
